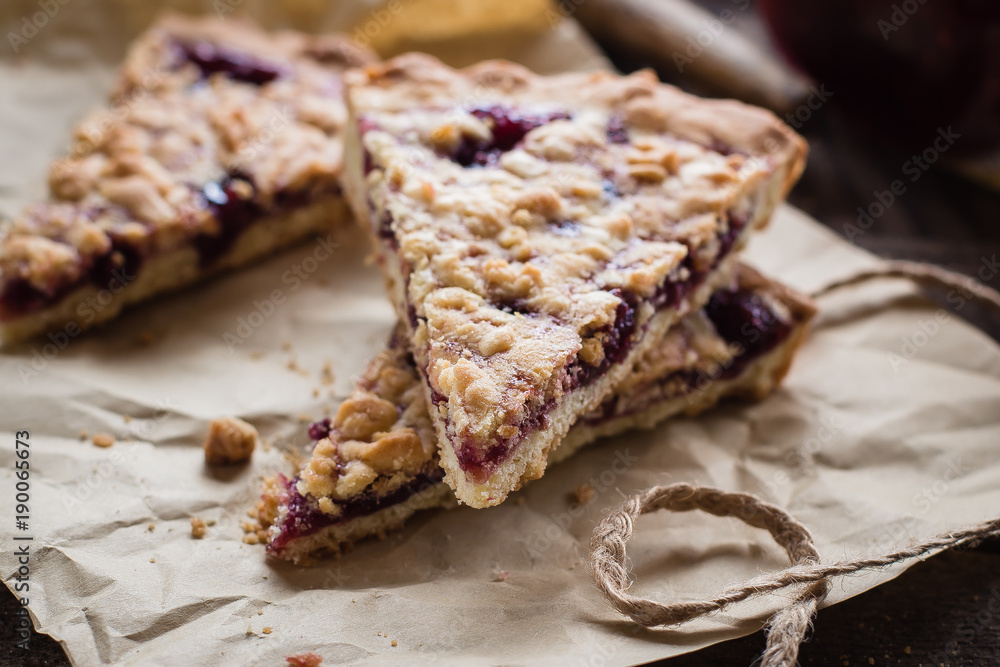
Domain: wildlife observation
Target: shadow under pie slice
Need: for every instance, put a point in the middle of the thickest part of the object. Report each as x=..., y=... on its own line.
x=221, y=143
x=376, y=462
x=538, y=235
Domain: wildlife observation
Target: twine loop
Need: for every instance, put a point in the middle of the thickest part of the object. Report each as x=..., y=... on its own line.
x=787, y=628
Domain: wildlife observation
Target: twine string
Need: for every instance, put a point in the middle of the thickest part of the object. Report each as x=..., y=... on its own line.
x=787, y=628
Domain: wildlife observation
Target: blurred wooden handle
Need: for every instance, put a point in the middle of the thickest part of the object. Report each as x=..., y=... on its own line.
x=681, y=37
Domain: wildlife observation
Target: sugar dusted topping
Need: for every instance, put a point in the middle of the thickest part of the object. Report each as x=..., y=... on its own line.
x=528, y=212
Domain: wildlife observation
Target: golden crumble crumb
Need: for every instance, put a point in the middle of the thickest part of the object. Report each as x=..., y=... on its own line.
x=198, y=528
x=152, y=560
x=104, y=440
x=326, y=374
x=304, y=660
x=151, y=527
x=127, y=418
x=583, y=493
x=267, y=630
x=315, y=393
x=286, y=346
x=260, y=612
x=257, y=354
x=304, y=418
x=83, y=434
x=251, y=538
x=229, y=440
x=394, y=643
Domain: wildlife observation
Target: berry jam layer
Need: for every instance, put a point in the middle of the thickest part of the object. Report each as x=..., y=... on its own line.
x=743, y=320
x=213, y=126
x=232, y=204
x=617, y=341
x=304, y=518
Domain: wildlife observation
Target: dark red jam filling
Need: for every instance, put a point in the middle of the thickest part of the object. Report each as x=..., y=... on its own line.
x=616, y=131
x=236, y=65
x=319, y=430
x=745, y=320
x=509, y=127
x=233, y=211
x=619, y=338
x=304, y=518
x=113, y=271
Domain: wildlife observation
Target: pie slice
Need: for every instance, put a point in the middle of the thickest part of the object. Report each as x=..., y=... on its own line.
x=540, y=234
x=221, y=144
x=376, y=462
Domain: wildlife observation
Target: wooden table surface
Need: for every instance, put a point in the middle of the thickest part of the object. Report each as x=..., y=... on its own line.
x=942, y=611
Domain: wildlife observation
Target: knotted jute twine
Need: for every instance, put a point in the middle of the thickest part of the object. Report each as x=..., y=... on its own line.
x=787, y=628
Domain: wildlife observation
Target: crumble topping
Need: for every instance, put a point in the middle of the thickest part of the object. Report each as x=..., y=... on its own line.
x=380, y=436
x=198, y=528
x=229, y=440
x=540, y=221
x=198, y=128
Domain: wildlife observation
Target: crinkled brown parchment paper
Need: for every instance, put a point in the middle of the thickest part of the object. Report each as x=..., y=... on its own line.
x=886, y=430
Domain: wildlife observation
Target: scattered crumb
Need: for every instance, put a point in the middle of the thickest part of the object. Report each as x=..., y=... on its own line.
x=229, y=440
x=871, y=661
x=152, y=560
x=315, y=393
x=104, y=440
x=251, y=538
x=260, y=612
x=502, y=575
x=304, y=660
x=292, y=366
x=198, y=528
x=907, y=650
x=126, y=418
x=519, y=501
x=583, y=493
x=257, y=354
x=151, y=527
x=83, y=434
x=326, y=374
x=286, y=346
x=394, y=643
x=211, y=522
x=267, y=630
x=146, y=337
x=304, y=418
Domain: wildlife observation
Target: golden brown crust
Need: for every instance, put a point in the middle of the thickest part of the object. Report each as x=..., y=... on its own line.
x=516, y=274
x=229, y=440
x=691, y=349
x=134, y=181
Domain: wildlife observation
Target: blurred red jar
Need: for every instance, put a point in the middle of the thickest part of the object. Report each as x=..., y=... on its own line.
x=901, y=69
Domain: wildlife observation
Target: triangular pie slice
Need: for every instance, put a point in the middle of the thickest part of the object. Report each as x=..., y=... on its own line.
x=221, y=144
x=540, y=234
x=376, y=462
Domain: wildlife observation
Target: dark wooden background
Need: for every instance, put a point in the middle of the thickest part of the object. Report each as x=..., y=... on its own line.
x=938, y=612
